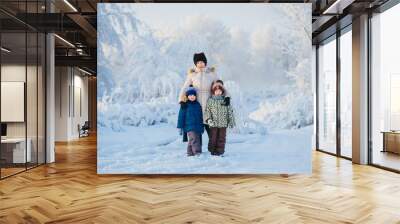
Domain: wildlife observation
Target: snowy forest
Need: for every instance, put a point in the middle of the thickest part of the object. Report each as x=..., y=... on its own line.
x=265, y=66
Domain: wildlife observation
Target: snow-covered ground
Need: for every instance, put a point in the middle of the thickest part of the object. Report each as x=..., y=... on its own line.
x=159, y=150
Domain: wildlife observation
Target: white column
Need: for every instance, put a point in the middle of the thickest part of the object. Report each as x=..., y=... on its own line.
x=50, y=92
x=50, y=99
x=360, y=90
x=314, y=87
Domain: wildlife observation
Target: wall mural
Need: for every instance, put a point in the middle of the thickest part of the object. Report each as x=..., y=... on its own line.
x=204, y=88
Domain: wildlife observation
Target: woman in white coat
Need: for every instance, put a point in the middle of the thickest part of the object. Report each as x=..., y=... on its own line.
x=201, y=78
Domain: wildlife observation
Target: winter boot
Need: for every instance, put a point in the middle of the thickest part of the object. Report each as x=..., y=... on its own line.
x=220, y=152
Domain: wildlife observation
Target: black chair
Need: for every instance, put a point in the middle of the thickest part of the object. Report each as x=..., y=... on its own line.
x=84, y=130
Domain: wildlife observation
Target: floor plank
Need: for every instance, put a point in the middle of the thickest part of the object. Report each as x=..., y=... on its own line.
x=70, y=191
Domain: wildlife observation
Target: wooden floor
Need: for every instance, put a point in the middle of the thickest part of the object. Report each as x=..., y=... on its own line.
x=387, y=159
x=70, y=191
x=5, y=172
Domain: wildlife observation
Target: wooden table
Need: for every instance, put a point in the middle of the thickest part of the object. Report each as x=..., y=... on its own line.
x=13, y=150
x=391, y=141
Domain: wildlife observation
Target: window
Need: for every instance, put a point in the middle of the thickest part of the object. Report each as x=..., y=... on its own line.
x=346, y=93
x=22, y=77
x=385, y=89
x=327, y=96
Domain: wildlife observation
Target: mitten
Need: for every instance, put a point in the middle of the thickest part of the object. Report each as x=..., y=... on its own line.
x=227, y=101
x=183, y=104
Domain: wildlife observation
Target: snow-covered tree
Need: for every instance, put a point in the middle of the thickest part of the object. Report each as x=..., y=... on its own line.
x=267, y=70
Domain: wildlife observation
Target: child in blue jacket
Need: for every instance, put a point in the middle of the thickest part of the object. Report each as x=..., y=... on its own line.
x=190, y=121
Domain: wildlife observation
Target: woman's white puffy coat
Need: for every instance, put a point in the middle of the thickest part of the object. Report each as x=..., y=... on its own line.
x=201, y=81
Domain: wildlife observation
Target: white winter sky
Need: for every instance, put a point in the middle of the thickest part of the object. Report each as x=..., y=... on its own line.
x=245, y=16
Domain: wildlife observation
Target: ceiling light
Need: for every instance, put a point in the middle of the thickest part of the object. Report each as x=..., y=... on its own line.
x=84, y=71
x=333, y=9
x=79, y=51
x=5, y=50
x=70, y=5
x=64, y=40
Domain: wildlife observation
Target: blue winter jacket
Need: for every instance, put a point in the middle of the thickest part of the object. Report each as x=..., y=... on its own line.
x=190, y=117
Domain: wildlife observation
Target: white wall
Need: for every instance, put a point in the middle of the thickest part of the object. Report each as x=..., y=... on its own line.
x=33, y=126
x=17, y=73
x=14, y=72
x=79, y=115
x=61, y=103
x=70, y=83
